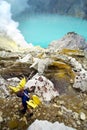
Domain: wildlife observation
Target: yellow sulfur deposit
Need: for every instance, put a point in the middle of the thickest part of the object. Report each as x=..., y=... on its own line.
x=69, y=51
x=63, y=70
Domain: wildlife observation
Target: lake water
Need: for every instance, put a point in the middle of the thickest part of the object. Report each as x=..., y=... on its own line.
x=42, y=29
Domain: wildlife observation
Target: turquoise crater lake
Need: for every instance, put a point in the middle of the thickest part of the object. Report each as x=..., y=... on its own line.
x=42, y=29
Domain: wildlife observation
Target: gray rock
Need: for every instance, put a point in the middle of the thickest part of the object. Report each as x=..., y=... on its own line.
x=82, y=116
x=70, y=41
x=1, y=119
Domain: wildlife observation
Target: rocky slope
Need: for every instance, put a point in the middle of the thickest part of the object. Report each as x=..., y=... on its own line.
x=76, y=8
x=65, y=66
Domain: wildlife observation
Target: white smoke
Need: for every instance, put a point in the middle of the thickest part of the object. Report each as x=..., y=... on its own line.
x=9, y=26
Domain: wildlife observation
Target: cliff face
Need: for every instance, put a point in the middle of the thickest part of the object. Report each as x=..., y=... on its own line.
x=76, y=8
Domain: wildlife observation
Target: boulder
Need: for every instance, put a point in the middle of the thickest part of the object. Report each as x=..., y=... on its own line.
x=44, y=124
x=44, y=88
x=71, y=41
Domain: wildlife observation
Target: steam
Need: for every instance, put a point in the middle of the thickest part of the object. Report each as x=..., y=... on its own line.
x=9, y=26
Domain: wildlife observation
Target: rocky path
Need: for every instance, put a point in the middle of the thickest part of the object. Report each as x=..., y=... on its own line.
x=70, y=109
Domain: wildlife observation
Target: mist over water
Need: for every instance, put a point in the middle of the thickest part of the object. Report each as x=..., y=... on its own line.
x=17, y=6
x=41, y=29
